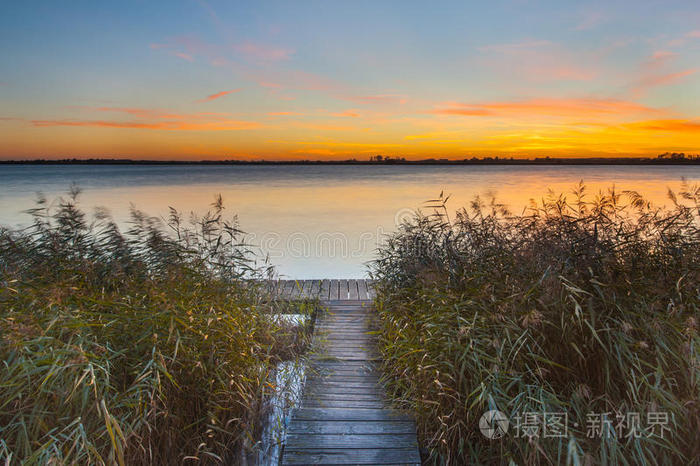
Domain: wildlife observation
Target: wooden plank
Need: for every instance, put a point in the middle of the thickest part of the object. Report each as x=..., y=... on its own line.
x=317, y=441
x=345, y=386
x=333, y=290
x=365, y=343
x=352, y=290
x=343, y=366
x=364, y=456
x=351, y=427
x=353, y=356
x=316, y=289
x=345, y=380
x=357, y=372
x=340, y=348
x=345, y=404
x=362, y=289
x=312, y=288
x=340, y=327
x=340, y=414
x=321, y=389
x=367, y=395
x=347, y=344
x=346, y=374
x=358, y=322
x=325, y=290
x=346, y=335
x=343, y=289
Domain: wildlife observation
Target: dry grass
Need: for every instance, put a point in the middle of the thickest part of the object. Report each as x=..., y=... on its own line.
x=149, y=347
x=582, y=304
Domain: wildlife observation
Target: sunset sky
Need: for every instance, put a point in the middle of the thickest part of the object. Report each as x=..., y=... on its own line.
x=200, y=79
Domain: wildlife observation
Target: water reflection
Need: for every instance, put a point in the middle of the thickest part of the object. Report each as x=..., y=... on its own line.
x=316, y=221
x=289, y=379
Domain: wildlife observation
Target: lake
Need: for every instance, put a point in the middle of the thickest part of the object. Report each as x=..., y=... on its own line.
x=314, y=221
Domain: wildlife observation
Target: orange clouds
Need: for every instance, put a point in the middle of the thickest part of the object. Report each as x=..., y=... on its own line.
x=184, y=56
x=285, y=114
x=547, y=107
x=379, y=99
x=156, y=113
x=218, y=95
x=221, y=125
x=685, y=126
x=346, y=113
x=156, y=119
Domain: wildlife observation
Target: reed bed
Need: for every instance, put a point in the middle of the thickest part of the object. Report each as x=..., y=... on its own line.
x=582, y=304
x=152, y=346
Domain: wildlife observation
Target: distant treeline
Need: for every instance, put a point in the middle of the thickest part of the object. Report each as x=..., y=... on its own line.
x=668, y=158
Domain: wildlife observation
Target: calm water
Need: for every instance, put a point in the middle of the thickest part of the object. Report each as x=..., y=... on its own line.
x=313, y=221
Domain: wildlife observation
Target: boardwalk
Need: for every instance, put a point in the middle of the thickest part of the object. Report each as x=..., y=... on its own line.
x=344, y=417
x=323, y=289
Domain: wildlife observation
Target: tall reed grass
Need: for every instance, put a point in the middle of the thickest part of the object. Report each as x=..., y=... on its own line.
x=583, y=304
x=153, y=346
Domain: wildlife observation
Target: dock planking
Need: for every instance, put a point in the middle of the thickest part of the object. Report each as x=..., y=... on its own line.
x=344, y=416
x=323, y=289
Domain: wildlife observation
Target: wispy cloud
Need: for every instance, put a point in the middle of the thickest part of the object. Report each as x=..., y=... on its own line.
x=154, y=113
x=512, y=47
x=545, y=106
x=218, y=125
x=590, y=20
x=380, y=99
x=184, y=56
x=685, y=38
x=218, y=95
x=656, y=80
x=325, y=126
x=538, y=60
x=285, y=114
x=347, y=113
x=270, y=85
x=262, y=52
x=156, y=119
x=669, y=125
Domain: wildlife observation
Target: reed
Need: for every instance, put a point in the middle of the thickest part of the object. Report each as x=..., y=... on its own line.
x=153, y=346
x=584, y=305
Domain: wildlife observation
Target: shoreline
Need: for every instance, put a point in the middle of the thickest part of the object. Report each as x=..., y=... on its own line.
x=427, y=162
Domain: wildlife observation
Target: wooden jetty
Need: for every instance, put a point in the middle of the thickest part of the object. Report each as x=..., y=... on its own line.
x=344, y=417
x=323, y=289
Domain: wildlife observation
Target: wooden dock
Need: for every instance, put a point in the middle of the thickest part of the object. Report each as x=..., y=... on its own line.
x=344, y=417
x=323, y=289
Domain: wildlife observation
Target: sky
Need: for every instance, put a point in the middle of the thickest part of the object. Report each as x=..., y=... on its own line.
x=205, y=79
